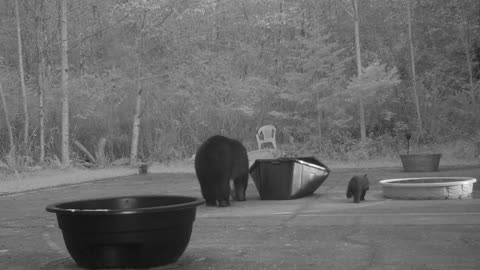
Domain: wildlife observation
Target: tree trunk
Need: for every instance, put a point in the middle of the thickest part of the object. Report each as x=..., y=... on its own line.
x=138, y=106
x=39, y=34
x=100, y=152
x=136, y=125
x=65, y=110
x=41, y=98
x=22, y=76
x=278, y=54
x=414, y=78
x=7, y=121
x=85, y=151
x=319, y=117
x=363, y=130
x=466, y=45
x=216, y=35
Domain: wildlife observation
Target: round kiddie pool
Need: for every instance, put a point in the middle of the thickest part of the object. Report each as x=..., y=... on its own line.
x=126, y=232
x=428, y=188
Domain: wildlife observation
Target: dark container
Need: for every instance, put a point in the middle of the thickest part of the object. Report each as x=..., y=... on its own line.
x=288, y=178
x=126, y=232
x=420, y=162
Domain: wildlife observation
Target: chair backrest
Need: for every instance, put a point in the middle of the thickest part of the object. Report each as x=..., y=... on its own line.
x=267, y=131
x=266, y=134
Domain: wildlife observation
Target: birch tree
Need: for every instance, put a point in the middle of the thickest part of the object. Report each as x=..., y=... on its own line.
x=145, y=21
x=353, y=12
x=22, y=75
x=412, y=65
x=363, y=132
x=138, y=103
x=466, y=47
x=11, y=152
x=64, y=79
x=41, y=73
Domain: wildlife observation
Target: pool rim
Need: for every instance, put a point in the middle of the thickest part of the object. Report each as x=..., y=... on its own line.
x=457, y=180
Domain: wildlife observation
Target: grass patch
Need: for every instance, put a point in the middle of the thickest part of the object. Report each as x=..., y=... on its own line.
x=58, y=177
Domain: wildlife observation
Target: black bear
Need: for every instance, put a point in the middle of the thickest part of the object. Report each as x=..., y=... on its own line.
x=218, y=161
x=357, y=187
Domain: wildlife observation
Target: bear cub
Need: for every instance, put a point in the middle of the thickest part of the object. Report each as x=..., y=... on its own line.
x=357, y=187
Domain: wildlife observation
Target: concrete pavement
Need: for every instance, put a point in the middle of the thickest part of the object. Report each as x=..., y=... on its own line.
x=323, y=231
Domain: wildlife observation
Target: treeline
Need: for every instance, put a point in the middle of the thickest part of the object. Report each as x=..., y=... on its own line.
x=341, y=79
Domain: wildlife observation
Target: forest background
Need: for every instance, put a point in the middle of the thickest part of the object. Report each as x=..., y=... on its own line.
x=151, y=79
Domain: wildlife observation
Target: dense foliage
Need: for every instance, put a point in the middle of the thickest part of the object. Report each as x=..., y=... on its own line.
x=229, y=66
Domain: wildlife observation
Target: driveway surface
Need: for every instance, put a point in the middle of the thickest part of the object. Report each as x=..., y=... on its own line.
x=322, y=231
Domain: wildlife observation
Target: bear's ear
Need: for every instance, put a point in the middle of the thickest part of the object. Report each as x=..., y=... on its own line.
x=365, y=175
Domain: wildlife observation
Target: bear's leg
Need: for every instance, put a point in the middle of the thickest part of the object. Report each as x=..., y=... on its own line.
x=208, y=194
x=349, y=191
x=210, y=200
x=357, y=193
x=211, y=203
x=239, y=187
x=362, y=198
x=239, y=174
x=222, y=191
x=206, y=187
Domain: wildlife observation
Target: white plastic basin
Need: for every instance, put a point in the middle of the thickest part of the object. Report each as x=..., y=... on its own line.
x=428, y=188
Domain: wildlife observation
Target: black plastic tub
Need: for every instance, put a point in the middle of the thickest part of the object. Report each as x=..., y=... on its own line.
x=288, y=178
x=126, y=232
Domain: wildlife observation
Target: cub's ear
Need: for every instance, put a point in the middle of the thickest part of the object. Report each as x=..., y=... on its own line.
x=365, y=175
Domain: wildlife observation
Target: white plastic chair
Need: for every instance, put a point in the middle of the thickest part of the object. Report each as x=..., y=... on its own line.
x=266, y=134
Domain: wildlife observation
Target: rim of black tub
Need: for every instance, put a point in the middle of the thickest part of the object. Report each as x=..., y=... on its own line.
x=65, y=207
